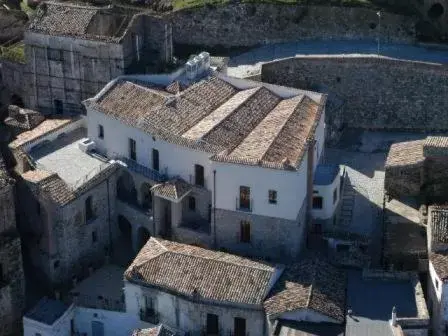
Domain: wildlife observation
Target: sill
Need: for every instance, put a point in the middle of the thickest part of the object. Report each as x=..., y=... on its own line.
x=273, y=203
x=244, y=209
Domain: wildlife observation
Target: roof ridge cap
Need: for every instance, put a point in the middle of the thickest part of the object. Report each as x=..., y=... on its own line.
x=238, y=106
x=284, y=123
x=219, y=253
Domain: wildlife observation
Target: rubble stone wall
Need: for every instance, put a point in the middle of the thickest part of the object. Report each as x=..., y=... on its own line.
x=375, y=93
x=244, y=24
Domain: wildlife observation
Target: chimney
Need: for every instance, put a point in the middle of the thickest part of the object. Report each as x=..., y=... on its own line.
x=393, y=320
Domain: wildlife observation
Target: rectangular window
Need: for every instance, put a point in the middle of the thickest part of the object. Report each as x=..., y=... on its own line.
x=212, y=324
x=244, y=198
x=54, y=55
x=94, y=237
x=88, y=209
x=318, y=202
x=191, y=203
x=245, y=231
x=199, y=175
x=58, y=106
x=132, y=149
x=239, y=326
x=273, y=196
x=155, y=159
x=100, y=131
x=335, y=195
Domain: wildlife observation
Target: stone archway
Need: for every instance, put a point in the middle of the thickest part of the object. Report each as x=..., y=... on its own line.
x=145, y=191
x=126, y=188
x=142, y=237
x=17, y=100
x=125, y=228
x=436, y=11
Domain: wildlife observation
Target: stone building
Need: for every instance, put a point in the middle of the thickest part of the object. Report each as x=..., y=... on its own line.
x=241, y=176
x=418, y=168
x=72, y=51
x=66, y=200
x=207, y=292
x=12, y=282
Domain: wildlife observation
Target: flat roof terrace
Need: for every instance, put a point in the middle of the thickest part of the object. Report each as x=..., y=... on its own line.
x=371, y=301
x=63, y=156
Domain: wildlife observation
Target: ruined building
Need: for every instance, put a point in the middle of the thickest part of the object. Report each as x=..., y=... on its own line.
x=12, y=283
x=72, y=51
x=418, y=168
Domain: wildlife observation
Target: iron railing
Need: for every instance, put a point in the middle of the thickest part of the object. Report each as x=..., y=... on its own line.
x=244, y=205
x=142, y=170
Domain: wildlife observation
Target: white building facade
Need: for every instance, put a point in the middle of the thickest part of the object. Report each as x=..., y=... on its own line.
x=246, y=151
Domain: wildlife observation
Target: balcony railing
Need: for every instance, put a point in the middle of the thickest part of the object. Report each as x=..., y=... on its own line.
x=143, y=170
x=150, y=316
x=243, y=205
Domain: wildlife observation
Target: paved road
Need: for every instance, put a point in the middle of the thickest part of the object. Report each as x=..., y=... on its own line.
x=249, y=62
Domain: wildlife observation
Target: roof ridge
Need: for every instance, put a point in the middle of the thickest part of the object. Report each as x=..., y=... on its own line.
x=222, y=260
x=238, y=106
x=284, y=123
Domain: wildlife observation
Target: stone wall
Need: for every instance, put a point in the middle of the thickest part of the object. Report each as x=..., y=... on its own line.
x=11, y=82
x=12, y=282
x=244, y=24
x=375, y=93
x=12, y=24
x=272, y=238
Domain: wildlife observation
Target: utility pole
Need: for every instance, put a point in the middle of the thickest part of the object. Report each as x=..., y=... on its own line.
x=379, y=31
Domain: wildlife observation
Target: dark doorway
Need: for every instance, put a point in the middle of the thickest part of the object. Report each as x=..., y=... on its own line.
x=17, y=100
x=125, y=227
x=126, y=191
x=58, y=106
x=239, y=326
x=212, y=324
x=142, y=237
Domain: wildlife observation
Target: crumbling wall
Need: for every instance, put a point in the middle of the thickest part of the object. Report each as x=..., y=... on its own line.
x=245, y=24
x=378, y=93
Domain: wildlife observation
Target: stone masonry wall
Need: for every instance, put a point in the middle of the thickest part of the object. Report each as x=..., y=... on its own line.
x=272, y=238
x=245, y=24
x=377, y=93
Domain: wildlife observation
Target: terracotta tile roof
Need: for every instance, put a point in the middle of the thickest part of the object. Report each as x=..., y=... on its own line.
x=438, y=220
x=405, y=154
x=36, y=176
x=311, y=284
x=199, y=273
x=435, y=146
x=47, y=126
x=57, y=190
x=62, y=19
x=251, y=126
x=440, y=262
x=174, y=189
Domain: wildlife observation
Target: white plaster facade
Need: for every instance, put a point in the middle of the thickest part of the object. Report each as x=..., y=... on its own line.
x=222, y=180
x=437, y=302
x=61, y=327
x=331, y=196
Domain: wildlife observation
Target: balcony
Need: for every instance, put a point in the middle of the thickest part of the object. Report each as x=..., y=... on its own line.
x=244, y=204
x=150, y=316
x=143, y=170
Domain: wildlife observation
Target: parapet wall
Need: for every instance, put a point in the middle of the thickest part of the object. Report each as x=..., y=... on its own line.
x=245, y=24
x=370, y=92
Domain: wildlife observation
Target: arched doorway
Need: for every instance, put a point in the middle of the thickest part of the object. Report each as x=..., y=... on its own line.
x=142, y=237
x=126, y=188
x=17, y=100
x=125, y=228
x=145, y=190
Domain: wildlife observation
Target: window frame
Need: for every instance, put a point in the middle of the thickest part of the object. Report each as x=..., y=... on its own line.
x=245, y=231
x=192, y=203
x=244, y=198
x=314, y=206
x=132, y=148
x=199, y=175
x=100, y=131
x=272, y=196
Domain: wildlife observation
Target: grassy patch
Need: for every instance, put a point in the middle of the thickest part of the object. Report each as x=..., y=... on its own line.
x=26, y=9
x=14, y=53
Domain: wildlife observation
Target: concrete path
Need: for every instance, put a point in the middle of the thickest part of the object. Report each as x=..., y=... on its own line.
x=250, y=62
